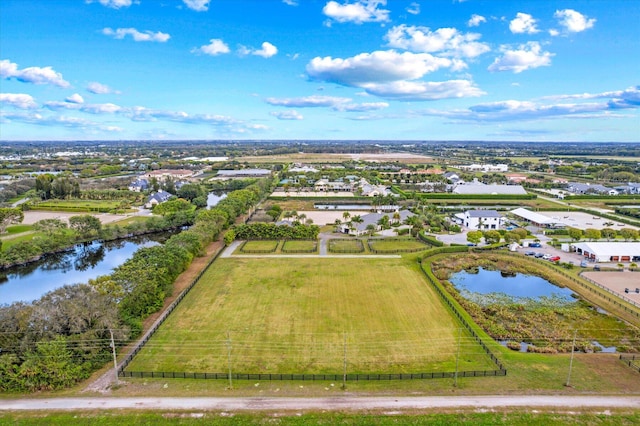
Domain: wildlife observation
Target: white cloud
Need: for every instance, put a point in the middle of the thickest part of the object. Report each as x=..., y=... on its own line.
x=628, y=98
x=114, y=4
x=308, y=101
x=287, y=115
x=35, y=75
x=268, y=50
x=523, y=23
x=362, y=107
x=528, y=56
x=573, y=21
x=197, y=5
x=100, y=89
x=75, y=99
x=18, y=100
x=290, y=2
x=514, y=110
x=120, y=33
x=215, y=47
x=424, y=91
x=413, y=8
x=476, y=20
x=447, y=41
x=40, y=120
x=377, y=67
x=358, y=12
x=554, y=32
x=107, y=108
x=333, y=102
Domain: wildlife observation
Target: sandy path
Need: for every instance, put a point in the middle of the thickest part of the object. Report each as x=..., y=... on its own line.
x=346, y=403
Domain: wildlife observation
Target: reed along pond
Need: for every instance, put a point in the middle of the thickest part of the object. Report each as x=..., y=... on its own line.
x=83, y=262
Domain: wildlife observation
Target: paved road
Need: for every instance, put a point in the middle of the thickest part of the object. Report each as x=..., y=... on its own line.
x=324, y=404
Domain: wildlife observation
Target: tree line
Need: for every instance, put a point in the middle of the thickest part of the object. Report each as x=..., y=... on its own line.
x=271, y=231
x=64, y=336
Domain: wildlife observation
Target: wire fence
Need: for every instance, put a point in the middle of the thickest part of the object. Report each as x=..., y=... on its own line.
x=632, y=361
x=313, y=377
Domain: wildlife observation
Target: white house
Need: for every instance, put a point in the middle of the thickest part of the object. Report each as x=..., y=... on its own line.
x=482, y=220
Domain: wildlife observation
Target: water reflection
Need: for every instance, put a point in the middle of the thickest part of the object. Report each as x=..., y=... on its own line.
x=77, y=265
x=484, y=281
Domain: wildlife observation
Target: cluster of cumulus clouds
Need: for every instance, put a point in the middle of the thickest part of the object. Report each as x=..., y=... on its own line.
x=32, y=110
x=398, y=72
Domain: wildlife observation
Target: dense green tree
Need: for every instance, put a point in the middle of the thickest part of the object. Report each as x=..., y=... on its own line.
x=491, y=237
x=86, y=226
x=8, y=216
x=474, y=237
x=575, y=233
x=629, y=234
x=592, y=234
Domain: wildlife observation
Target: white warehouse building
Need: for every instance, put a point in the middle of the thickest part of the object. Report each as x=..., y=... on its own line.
x=608, y=251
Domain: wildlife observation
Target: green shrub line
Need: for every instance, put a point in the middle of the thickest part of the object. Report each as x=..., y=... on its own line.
x=429, y=239
x=443, y=196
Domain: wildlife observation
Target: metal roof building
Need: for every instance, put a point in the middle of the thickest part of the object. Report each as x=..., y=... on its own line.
x=537, y=219
x=609, y=251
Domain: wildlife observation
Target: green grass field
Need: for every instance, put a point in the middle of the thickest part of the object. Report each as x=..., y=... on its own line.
x=261, y=246
x=302, y=315
x=174, y=417
x=340, y=245
x=77, y=205
x=391, y=245
x=303, y=246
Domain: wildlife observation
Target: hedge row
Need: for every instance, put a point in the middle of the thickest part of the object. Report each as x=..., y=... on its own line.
x=430, y=240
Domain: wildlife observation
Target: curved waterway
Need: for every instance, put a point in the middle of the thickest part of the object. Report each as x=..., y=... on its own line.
x=83, y=262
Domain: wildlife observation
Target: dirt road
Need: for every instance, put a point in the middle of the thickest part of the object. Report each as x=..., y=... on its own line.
x=346, y=403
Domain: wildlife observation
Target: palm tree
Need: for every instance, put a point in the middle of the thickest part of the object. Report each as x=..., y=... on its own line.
x=346, y=215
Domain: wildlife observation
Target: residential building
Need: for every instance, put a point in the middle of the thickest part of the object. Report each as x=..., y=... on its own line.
x=481, y=220
x=157, y=198
x=579, y=188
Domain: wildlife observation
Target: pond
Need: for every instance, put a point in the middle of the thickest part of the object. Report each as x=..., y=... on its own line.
x=84, y=262
x=213, y=198
x=517, y=285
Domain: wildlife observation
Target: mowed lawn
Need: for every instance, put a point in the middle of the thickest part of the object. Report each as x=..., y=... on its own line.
x=304, y=315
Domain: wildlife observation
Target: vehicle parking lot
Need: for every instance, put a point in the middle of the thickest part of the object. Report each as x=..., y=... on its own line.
x=547, y=252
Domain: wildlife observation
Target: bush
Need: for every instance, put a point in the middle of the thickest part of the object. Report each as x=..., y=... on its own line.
x=430, y=240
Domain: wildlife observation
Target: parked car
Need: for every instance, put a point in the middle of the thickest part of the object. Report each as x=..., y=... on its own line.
x=538, y=255
x=583, y=264
x=554, y=258
x=529, y=253
x=596, y=268
x=546, y=256
x=535, y=245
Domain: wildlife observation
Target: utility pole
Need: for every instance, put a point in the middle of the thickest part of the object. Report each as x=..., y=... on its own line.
x=229, y=358
x=455, y=376
x=573, y=349
x=113, y=350
x=344, y=367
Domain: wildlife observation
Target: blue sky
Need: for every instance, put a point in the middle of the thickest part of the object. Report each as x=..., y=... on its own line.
x=537, y=70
